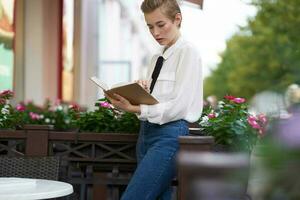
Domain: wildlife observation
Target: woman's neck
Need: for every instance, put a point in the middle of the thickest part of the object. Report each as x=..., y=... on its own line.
x=172, y=42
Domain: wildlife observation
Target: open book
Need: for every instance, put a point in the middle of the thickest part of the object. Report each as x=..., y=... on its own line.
x=133, y=92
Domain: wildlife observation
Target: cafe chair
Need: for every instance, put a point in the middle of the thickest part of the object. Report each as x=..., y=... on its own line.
x=46, y=167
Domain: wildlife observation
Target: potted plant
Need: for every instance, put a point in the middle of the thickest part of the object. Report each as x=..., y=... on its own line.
x=231, y=124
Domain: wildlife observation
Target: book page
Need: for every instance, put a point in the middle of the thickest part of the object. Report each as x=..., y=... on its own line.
x=101, y=84
x=120, y=84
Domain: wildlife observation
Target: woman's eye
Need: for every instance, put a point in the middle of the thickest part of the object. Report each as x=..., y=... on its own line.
x=161, y=25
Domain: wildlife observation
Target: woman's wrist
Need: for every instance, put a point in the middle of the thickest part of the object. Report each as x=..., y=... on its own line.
x=135, y=109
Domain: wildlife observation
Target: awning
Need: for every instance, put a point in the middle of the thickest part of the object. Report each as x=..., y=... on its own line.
x=6, y=24
x=198, y=2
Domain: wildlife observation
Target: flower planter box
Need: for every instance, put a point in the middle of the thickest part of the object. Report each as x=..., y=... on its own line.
x=90, y=161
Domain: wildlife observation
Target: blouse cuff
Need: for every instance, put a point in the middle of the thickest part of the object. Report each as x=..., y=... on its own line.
x=144, y=112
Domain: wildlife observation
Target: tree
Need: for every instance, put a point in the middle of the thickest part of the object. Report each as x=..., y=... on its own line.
x=264, y=55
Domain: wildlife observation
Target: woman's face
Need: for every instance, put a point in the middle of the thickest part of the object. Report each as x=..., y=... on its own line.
x=164, y=30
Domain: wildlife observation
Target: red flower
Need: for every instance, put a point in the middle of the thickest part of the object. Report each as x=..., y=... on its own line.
x=229, y=97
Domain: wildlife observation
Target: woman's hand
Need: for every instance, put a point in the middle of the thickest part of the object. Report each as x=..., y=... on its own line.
x=123, y=104
x=145, y=84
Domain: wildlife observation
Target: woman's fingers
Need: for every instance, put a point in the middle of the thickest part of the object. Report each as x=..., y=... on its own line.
x=143, y=83
x=120, y=98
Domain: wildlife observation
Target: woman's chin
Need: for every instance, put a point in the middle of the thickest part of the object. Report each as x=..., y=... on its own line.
x=162, y=43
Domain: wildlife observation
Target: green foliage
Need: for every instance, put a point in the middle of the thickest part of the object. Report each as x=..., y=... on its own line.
x=264, y=55
x=107, y=119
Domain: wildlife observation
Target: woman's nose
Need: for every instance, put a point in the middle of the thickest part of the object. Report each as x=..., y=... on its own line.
x=156, y=32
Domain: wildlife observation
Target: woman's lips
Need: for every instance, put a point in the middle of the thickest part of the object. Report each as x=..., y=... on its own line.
x=159, y=39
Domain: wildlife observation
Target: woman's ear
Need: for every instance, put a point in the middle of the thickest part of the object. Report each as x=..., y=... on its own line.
x=178, y=19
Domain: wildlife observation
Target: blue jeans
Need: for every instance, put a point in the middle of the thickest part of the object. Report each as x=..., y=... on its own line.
x=156, y=155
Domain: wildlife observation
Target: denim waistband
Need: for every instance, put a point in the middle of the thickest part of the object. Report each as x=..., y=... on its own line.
x=181, y=121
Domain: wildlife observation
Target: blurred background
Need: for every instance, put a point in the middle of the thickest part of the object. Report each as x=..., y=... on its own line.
x=249, y=49
x=50, y=48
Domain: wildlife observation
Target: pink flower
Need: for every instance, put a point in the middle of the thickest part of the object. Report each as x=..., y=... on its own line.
x=2, y=101
x=252, y=118
x=239, y=100
x=105, y=104
x=211, y=115
x=262, y=118
x=229, y=97
x=252, y=121
x=57, y=102
x=34, y=116
x=29, y=102
x=6, y=94
x=74, y=107
x=261, y=132
x=20, y=107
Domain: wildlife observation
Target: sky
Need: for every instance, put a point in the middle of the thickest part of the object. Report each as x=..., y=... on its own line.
x=209, y=28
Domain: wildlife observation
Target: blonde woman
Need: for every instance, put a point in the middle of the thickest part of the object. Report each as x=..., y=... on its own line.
x=175, y=79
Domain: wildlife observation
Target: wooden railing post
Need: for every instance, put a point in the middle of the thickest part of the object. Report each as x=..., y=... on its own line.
x=214, y=175
x=196, y=144
x=37, y=139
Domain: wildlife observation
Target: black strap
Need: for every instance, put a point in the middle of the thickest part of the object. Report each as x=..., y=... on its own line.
x=156, y=71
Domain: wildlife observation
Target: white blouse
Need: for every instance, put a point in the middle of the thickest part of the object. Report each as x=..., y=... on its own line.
x=179, y=86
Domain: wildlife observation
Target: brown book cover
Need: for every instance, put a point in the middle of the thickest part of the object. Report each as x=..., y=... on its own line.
x=133, y=92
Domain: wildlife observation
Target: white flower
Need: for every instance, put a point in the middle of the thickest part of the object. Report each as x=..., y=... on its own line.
x=293, y=94
x=204, y=120
x=4, y=111
x=41, y=117
x=47, y=120
x=59, y=108
x=221, y=104
x=67, y=121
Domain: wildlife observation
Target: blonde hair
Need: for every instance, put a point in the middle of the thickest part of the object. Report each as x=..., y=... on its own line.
x=169, y=7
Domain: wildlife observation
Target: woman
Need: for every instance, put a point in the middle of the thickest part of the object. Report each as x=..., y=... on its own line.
x=178, y=89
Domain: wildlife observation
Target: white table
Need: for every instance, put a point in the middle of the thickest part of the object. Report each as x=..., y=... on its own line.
x=30, y=189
